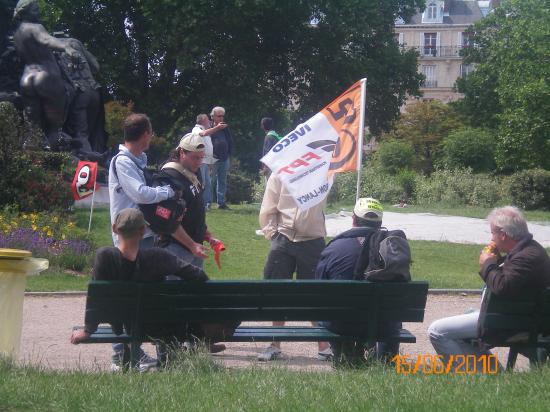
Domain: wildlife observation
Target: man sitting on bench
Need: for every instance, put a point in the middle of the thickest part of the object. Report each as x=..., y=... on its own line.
x=127, y=262
x=525, y=266
x=338, y=262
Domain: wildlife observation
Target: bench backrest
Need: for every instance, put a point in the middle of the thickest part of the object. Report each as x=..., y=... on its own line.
x=149, y=303
x=528, y=311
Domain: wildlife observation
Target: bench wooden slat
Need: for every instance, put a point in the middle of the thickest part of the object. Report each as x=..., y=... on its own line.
x=104, y=334
x=148, y=306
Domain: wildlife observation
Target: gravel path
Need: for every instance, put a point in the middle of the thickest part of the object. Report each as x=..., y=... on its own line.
x=48, y=321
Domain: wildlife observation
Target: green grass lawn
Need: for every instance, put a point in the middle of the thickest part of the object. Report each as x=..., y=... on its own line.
x=443, y=264
x=201, y=386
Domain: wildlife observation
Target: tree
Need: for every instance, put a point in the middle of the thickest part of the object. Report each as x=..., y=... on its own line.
x=395, y=155
x=176, y=59
x=424, y=125
x=510, y=91
x=473, y=148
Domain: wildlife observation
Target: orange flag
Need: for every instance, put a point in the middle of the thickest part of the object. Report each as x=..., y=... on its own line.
x=344, y=115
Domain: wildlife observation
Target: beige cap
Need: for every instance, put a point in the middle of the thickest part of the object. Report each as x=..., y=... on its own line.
x=369, y=209
x=129, y=221
x=192, y=142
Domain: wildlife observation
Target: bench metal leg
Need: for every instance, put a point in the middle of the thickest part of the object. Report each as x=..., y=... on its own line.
x=512, y=357
x=351, y=353
x=135, y=354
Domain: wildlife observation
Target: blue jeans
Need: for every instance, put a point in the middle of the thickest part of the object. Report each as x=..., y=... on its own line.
x=450, y=336
x=184, y=254
x=207, y=184
x=221, y=169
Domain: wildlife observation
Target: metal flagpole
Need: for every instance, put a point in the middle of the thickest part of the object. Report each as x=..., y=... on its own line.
x=92, y=207
x=360, y=140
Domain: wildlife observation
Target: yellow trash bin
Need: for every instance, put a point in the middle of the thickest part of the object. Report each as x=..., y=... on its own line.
x=15, y=265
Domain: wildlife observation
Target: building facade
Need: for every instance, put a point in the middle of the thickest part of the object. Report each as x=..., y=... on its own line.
x=439, y=34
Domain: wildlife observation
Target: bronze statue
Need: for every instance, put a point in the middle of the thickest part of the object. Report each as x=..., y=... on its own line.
x=41, y=84
x=85, y=118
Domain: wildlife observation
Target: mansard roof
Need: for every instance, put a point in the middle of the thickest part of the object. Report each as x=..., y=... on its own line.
x=455, y=12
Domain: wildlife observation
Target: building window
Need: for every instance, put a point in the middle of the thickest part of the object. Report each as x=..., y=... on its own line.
x=399, y=38
x=466, y=69
x=431, y=11
x=429, y=74
x=467, y=39
x=430, y=44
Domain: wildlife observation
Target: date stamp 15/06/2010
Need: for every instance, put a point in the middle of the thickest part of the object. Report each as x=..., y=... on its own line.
x=429, y=364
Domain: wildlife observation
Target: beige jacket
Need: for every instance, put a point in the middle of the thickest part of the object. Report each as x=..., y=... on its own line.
x=279, y=213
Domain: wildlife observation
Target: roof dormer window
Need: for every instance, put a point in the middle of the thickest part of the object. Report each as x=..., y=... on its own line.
x=433, y=12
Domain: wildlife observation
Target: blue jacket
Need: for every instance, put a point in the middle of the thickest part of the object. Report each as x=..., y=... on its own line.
x=340, y=255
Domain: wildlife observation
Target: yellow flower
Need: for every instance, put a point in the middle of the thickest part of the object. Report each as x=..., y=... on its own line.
x=49, y=233
x=45, y=229
x=63, y=236
x=34, y=227
x=56, y=219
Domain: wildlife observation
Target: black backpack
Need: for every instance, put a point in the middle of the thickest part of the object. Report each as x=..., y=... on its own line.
x=386, y=257
x=164, y=217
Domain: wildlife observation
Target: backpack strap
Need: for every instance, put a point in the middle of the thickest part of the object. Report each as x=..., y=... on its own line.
x=369, y=253
x=192, y=177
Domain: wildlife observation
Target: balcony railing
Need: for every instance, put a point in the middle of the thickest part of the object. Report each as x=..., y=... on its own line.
x=439, y=51
x=429, y=83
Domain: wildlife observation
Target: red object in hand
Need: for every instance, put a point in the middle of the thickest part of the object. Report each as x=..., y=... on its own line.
x=218, y=247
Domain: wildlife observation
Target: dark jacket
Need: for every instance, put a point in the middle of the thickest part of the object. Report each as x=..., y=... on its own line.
x=151, y=265
x=222, y=144
x=526, y=266
x=338, y=259
x=194, y=219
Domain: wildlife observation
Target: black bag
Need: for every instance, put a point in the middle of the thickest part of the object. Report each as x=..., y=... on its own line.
x=386, y=257
x=164, y=217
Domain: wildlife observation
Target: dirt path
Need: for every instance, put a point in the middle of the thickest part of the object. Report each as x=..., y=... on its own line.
x=47, y=324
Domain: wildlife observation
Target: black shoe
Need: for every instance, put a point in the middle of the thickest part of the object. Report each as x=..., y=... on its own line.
x=224, y=207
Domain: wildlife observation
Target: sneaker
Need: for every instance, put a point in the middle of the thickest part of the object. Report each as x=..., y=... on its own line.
x=224, y=207
x=325, y=355
x=270, y=353
x=146, y=363
x=115, y=367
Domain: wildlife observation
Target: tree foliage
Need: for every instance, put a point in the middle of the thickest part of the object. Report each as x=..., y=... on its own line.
x=468, y=147
x=424, y=125
x=395, y=155
x=176, y=59
x=510, y=88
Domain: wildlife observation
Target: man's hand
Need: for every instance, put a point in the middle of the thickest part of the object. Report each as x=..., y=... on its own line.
x=485, y=256
x=79, y=336
x=199, y=251
x=220, y=126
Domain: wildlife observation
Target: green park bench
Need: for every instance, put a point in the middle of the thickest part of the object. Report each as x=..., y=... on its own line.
x=519, y=320
x=145, y=306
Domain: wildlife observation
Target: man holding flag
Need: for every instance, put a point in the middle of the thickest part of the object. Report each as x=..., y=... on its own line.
x=303, y=164
x=297, y=240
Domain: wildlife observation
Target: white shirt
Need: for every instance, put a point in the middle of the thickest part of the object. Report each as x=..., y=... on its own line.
x=208, y=148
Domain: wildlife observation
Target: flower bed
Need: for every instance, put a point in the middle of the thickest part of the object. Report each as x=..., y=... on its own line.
x=49, y=236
